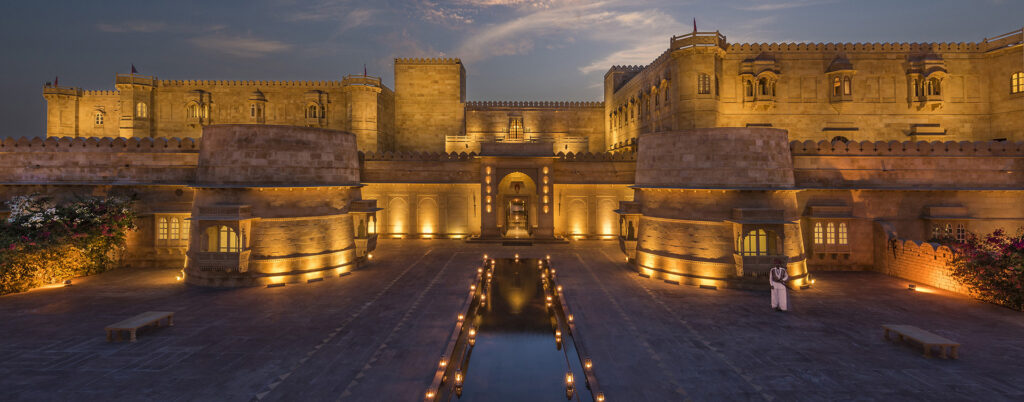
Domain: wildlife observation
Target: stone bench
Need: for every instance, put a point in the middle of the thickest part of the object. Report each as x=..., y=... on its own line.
x=925, y=338
x=133, y=324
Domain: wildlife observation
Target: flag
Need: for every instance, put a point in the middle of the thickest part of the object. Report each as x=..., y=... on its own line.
x=134, y=71
x=364, y=69
x=695, y=24
x=55, y=80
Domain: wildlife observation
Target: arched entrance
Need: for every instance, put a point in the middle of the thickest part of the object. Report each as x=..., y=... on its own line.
x=517, y=205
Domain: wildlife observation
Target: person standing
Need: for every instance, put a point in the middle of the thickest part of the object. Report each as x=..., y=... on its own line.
x=777, y=277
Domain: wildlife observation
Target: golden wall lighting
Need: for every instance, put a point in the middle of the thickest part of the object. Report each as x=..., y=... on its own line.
x=487, y=179
x=480, y=270
x=599, y=397
x=559, y=288
x=545, y=199
x=545, y=180
x=545, y=188
x=430, y=394
x=472, y=287
x=548, y=298
x=545, y=209
x=587, y=363
x=462, y=317
x=488, y=189
x=547, y=257
x=545, y=170
x=487, y=170
x=570, y=318
x=443, y=363
x=472, y=336
x=369, y=256
x=488, y=208
x=485, y=256
x=488, y=199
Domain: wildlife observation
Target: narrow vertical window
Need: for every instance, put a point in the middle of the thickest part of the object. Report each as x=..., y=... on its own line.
x=175, y=229
x=818, y=234
x=1017, y=82
x=830, y=233
x=140, y=109
x=161, y=229
x=961, y=233
x=252, y=110
x=843, y=236
x=847, y=86
x=704, y=84
x=836, y=86
x=99, y=119
x=185, y=225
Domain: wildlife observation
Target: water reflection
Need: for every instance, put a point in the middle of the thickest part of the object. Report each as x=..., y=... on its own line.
x=516, y=356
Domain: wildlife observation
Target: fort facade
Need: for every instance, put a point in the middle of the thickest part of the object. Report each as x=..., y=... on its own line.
x=707, y=165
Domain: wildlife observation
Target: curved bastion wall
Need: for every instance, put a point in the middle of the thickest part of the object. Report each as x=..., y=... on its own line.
x=717, y=206
x=273, y=205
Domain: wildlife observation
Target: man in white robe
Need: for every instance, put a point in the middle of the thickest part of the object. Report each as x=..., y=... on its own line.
x=777, y=277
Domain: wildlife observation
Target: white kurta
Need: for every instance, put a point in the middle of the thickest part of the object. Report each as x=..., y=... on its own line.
x=780, y=294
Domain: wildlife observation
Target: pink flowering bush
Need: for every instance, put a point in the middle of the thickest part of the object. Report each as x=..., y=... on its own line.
x=992, y=267
x=43, y=242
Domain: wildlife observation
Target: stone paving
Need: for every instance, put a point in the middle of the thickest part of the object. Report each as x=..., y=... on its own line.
x=378, y=333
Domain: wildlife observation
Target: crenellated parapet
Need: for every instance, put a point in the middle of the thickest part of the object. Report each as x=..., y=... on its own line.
x=597, y=157
x=907, y=148
x=427, y=60
x=857, y=47
x=251, y=83
x=533, y=104
x=417, y=156
x=99, y=144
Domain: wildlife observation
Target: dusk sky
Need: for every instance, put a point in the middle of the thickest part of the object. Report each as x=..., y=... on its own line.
x=512, y=49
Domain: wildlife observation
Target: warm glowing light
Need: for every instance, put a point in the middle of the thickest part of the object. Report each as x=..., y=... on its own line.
x=472, y=287
x=458, y=378
x=627, y=258
x=813, y=280
x=545, y=189
x=487, y=170
x=599, y=397
x=488, y=199
x=570, y=317
x=559, y=288
x=369, y=256
x=479, y=270
x=517, y=256
x=462, y=317
x=587, y=363
x=568, y=379
x=487, y=179
x=552, y=271
x=489, y=274
x=558, y=333
x=488, y=208
x=430, y=394
x=547, y=257
x=545, y=198
x=545, y=170
x=488, y=189
x=548, y=298
x=444, y=363
x=545, y=181
x=545, y=209
x=178, y=277
x=483, y=296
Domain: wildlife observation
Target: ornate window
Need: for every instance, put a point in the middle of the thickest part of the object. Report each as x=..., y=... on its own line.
x=1017, y=82
x=830, y=233
x=748, y=89
x=704, y=84
x=934, y=87
x=98, y=119
x=140, y=109
x=192, y=111
x=843, y=235
x=847, y=86
x=758, y=242
x=161, y=229
x=818, y=234
x=515, y=128
x=311, y=112
x=222, y=239
x=175, y=229
x=961, y=233
x=837, y=86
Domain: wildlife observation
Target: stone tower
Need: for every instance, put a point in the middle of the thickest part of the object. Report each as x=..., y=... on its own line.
x=430, y=96
x=136, y=104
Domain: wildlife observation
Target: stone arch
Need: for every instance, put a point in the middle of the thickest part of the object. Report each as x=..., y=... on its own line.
x=576, y=216
x=606, y=216
x=427, y=221
x=398, y=215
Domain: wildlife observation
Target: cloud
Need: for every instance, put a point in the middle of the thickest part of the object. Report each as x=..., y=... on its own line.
x=133, y=26
x=774, y=6
x=239, y=46
x=638, y=55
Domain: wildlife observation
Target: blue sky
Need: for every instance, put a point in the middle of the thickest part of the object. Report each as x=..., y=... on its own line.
x=513, y=49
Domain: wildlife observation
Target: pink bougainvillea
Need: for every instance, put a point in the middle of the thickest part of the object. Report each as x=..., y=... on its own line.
x=992, y=267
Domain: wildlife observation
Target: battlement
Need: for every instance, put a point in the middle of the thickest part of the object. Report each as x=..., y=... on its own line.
x=417, y=156
x=67, y=91
x=428, y=60
x=597, y=157
x=359, y=79
x=94, y=144
x=626, y=69
x=857, y=47
x=697, y=40
x=534, y=104
x=251, y=83
x=910, y=148
x=134, y=79
x=99, y=93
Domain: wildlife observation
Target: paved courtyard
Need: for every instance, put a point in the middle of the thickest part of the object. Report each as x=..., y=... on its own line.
x=378, y=333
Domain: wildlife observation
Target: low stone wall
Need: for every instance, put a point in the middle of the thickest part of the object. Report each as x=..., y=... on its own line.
x=922, y=262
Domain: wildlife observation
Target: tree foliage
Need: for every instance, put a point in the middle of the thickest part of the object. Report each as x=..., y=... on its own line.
x=991, y=267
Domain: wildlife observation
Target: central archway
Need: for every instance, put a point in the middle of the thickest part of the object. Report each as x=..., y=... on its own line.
x=517, y=205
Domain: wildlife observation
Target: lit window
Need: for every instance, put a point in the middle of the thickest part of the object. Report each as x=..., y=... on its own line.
x=961, y=233
x=228, y=240
x=175, y=229
x=184, y=229
x=192, y=111
x=934, y=87
x=843, y=237
x=836, y=86
x=949, y=229
x=830, y=233
x=515, y=128
x=818, y=234
x=311, y=112
x=936, y=231
x=847, y=87
x=704, y=84
x=99, y=118
x=758, y=242
x=1017, y=82
x=140, y=109
x=161, y=229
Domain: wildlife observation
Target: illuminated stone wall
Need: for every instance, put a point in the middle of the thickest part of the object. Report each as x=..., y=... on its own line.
x=285, y=192
x=922, y=262
x=974, y=102
x=429, y=103
x=570, y=126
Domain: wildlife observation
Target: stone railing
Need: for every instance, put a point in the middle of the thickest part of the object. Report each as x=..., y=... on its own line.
x=534, y=104
x=416, y=156
x=597, y=157
x=55, y=144
x=916, y=148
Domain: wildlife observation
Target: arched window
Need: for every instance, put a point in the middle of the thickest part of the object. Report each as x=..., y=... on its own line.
x=918, y=91
x=1017, y=82
x=666, y=94
x=703, y=84
x=847, y=86
x=762, y=86
x=759, y=242
x=140, y=109
x=843, y=235
x=836, y=86
x=934, y=87
x=192, y=111
x=830, y=233
x=311, y=112
x=227, y=241
x=818, y=235
x=175, y=229
x=949, y=230
x=185, y=225
x=840, y=139
x=961, y=233
x=161, y=229
x=252, y=110
x=748, y=88
x=936, y=231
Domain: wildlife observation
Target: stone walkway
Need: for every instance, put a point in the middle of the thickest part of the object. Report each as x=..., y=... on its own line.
x=378, y=333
